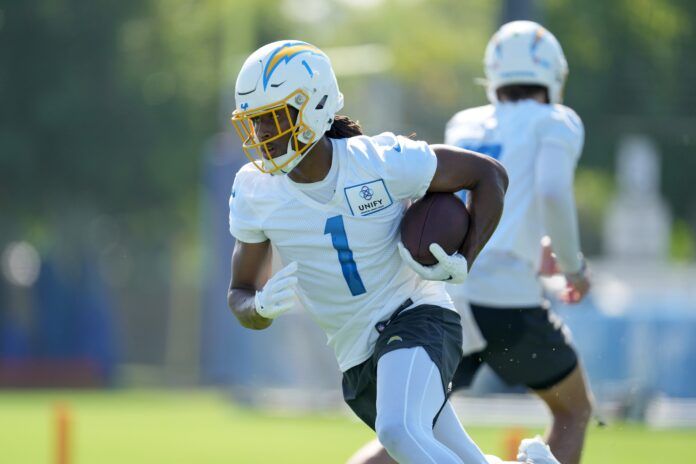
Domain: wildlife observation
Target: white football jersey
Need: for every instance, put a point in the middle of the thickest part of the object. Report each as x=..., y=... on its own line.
x=349, y=270
x=505, y=272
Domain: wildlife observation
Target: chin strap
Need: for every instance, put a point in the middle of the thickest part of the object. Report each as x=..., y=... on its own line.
x=286, y=170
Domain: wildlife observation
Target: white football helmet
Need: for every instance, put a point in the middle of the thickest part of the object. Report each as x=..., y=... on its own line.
x=284, y=74
x=523, y=52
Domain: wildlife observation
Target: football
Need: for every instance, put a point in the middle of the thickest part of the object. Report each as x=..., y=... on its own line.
x=440, y=218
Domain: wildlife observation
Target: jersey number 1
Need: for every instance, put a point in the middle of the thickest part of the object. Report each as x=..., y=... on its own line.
x=334, y=226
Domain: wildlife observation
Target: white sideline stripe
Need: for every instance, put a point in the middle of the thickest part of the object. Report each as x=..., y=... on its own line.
x=501, y=410
x=496, y=410
x=671, y=412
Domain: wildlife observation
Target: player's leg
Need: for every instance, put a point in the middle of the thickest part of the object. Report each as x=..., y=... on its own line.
x=449, y=431
x=531, y=346
x=374, y=453
x=409, y=396
x=565, y=391
x=532, y=451
x=571, y=406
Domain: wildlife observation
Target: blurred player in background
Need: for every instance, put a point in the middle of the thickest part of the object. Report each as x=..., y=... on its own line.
x=539, y=142
x=331, y=200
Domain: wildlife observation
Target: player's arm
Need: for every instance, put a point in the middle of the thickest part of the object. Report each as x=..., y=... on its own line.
x=486, y=180
x=253, y=297
x=555, y=172
x=249, y=273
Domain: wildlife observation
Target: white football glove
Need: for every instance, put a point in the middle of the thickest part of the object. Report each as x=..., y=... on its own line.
x=451, y=268
x=277, y=296
x=535, y=451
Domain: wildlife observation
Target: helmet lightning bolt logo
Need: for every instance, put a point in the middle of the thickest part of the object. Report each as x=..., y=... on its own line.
x=285, y=53
x=533, y=48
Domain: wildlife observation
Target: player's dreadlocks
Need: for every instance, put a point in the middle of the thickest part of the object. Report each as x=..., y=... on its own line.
x=343, y=127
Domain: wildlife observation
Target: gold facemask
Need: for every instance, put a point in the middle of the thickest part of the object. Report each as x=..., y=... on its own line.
x=257, y=150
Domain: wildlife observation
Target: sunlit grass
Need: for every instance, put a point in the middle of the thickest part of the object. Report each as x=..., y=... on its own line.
x=203, y=427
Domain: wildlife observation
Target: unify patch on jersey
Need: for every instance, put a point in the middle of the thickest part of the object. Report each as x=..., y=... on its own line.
x=368, y=198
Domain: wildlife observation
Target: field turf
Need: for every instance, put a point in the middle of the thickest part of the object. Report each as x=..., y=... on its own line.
x=152, y=427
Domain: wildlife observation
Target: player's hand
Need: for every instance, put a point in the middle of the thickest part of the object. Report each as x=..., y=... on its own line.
x=535, y=451
x=277, y=296
x=450, y=268
x=548, y=265
x=577, y=286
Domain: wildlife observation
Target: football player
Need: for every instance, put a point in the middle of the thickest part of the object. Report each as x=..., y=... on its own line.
x=331, y=200
x=539, y=141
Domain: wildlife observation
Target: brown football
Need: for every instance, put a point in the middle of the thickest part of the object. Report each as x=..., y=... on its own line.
x=440, y=218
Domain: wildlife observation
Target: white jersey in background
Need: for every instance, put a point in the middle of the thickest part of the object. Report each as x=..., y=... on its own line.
x=539, y=145
x=350, y=273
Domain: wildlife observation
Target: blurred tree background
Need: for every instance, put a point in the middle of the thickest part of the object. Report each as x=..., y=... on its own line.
x=105, y=107
x=631, y=72
x=107, y=104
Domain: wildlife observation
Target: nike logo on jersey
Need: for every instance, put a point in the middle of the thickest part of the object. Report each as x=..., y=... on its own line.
x=368, y=198
x=395, y=338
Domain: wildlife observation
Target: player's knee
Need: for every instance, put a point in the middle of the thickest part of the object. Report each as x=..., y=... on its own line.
x=569, y=400
x=582, y=411
x=394, y=435
x=390, y=433
x=577, y=410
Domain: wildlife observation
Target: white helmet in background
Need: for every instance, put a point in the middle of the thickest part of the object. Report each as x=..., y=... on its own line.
x=284, y=74
x=523, y=52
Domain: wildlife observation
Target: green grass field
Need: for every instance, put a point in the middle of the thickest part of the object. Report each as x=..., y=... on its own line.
x=152, y=427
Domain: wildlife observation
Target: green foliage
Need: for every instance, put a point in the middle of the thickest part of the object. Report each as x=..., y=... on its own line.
x=106, y=105
x=438, y=52
x=632, y=71
x=682, y=243
x=593, y=192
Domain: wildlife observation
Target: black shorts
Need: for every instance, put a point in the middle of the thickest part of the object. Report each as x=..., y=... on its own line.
x=437, y=330
x=525, y=346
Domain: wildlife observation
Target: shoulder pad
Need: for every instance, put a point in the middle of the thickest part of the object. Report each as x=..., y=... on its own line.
x=562, y=124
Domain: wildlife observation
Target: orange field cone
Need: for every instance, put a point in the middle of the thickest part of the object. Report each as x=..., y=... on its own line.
x=511, y=442
x=63, y=419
